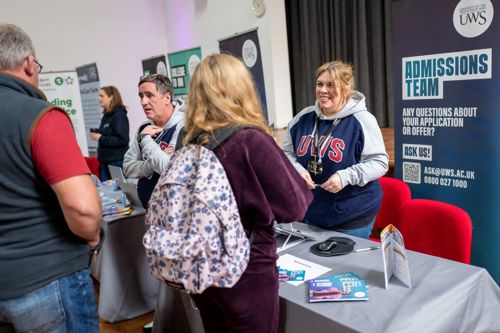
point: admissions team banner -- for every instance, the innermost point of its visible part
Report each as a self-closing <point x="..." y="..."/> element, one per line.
<point x="88" y="78"/>
<point x="246" y="46"/>
<point x="447" y="121"/>
<point x="62" y="89"/>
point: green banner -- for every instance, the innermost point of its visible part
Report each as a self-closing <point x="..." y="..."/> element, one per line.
<point x="62" y="89"/>
<point x="182" y="65"/>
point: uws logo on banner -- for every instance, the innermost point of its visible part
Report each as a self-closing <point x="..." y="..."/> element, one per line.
<point x="249" y="53"/>
<point x="473" y="17"/>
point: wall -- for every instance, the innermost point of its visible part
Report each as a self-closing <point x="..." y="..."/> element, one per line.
<point x="116" y="34"/>
<point x="193" y="23"/>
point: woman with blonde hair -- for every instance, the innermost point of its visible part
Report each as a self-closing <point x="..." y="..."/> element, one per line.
<point x="112" y="136"/>
<point x="337" y="147"/>
<point x="265" y="185"/>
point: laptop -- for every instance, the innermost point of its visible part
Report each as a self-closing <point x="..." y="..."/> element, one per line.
<point x="116" y="173"/>
<point x="131" y="191"/>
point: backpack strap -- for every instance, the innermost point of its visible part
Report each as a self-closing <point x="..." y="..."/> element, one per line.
<point x="143" y="126"/>
<point x="220" y="135"/>
<point x="180" y="137"/>
<point x="252" y="236"/>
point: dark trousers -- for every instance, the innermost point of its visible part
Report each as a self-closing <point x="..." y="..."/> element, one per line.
<point x="252" y="305"/>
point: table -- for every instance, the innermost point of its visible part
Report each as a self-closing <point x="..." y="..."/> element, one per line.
<point x="127" y="289"/>
<point x="447" y="296"/>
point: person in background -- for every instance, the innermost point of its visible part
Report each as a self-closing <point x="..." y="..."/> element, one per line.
<point x="50" y="211"/>
<point x="337" y="147"/>
<point x="266" y="187"/>
<point x="112" y="136"/>
<point x="157" y="138"/>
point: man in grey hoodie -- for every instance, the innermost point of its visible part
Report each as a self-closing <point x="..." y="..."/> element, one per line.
<point x="156" y="139"/>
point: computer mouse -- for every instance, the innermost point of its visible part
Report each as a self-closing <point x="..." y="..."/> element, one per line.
<point x="327" y="245"/>
<point x="333" y="246"/>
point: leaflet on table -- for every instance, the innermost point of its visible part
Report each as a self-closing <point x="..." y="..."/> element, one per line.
<point x="115" y="216"/>
<point x="290" y="275"/>
<point x="339" y="287"/>
<point x="394" y="256"/>
<point x="114" y="204"/>
<point x="292" y="263"/>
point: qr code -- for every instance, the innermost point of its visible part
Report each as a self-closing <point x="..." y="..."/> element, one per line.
<point x="411" y="172"/>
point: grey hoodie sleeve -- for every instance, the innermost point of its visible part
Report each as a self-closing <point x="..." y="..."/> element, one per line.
<point x="374" y="161"/>
<point x="288" y="148"/>
<point x="146" y="157"/>
<point x="134" y="163"/>
<point x="156" y="158"/>
<point x="290" y="151"/>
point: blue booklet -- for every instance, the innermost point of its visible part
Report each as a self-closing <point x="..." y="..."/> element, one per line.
<point x="290" y="275"/>
<point x="339" y="287"/>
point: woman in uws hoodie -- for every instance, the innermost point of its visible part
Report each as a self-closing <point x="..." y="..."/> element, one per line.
<point x="337" y="147"/>
<point x="113" y="133"/>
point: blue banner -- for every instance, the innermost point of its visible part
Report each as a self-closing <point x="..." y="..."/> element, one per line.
<point x="447" y="121"/>
<point x="246" y="47"/>
<point x="88" y="78"/>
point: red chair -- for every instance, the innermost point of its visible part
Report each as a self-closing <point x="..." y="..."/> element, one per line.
<point x="94" y="166"/>
<point x="396" y="192"/>
<point x="436" y="228"/>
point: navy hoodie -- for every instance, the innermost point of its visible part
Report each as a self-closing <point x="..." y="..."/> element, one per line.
<point x="114" y="130"/>
<point x="355" y="150"/>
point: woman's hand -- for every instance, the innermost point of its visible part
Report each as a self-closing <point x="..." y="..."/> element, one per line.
<point x="95" y="136"/>
<point x="307" y="178"/>
<point x="333" y="184"/>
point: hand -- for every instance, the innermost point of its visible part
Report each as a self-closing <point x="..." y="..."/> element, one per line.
<point x="333" y="184"/>
<point x="151" y="130"/>
<point x="95" y="136"/>
<point x="169" y="150"/>
<point x="307" y="178"/>
<point x="93" y="243"/>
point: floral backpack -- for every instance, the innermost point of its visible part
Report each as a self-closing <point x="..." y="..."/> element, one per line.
<point x="194" y="237"/>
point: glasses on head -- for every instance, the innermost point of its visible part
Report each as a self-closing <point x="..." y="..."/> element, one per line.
<point x="40" y="67"/>
<point x="155" y="77"/>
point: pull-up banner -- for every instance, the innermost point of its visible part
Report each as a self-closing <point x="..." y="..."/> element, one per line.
<point x="447" y="129"/>
<point x="62" y="89"/>
<point x="182" y="65"/>
<point x="88" y="78"/>
<point x="246" y="46"/>
<point x="155" y="65"/>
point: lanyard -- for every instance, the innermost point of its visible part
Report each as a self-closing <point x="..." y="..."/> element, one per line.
<point x="318" y="144"/>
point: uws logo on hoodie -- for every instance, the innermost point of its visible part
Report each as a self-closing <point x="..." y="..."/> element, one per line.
<point x="335" y="152"/>
<point x="471" y="18"/>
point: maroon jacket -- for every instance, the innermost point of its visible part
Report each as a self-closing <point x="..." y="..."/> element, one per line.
<point x="266" y="187"/>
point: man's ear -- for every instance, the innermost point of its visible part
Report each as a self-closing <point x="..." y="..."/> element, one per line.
<point x="168" y="97"/>
<point x="29" y="67"/>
